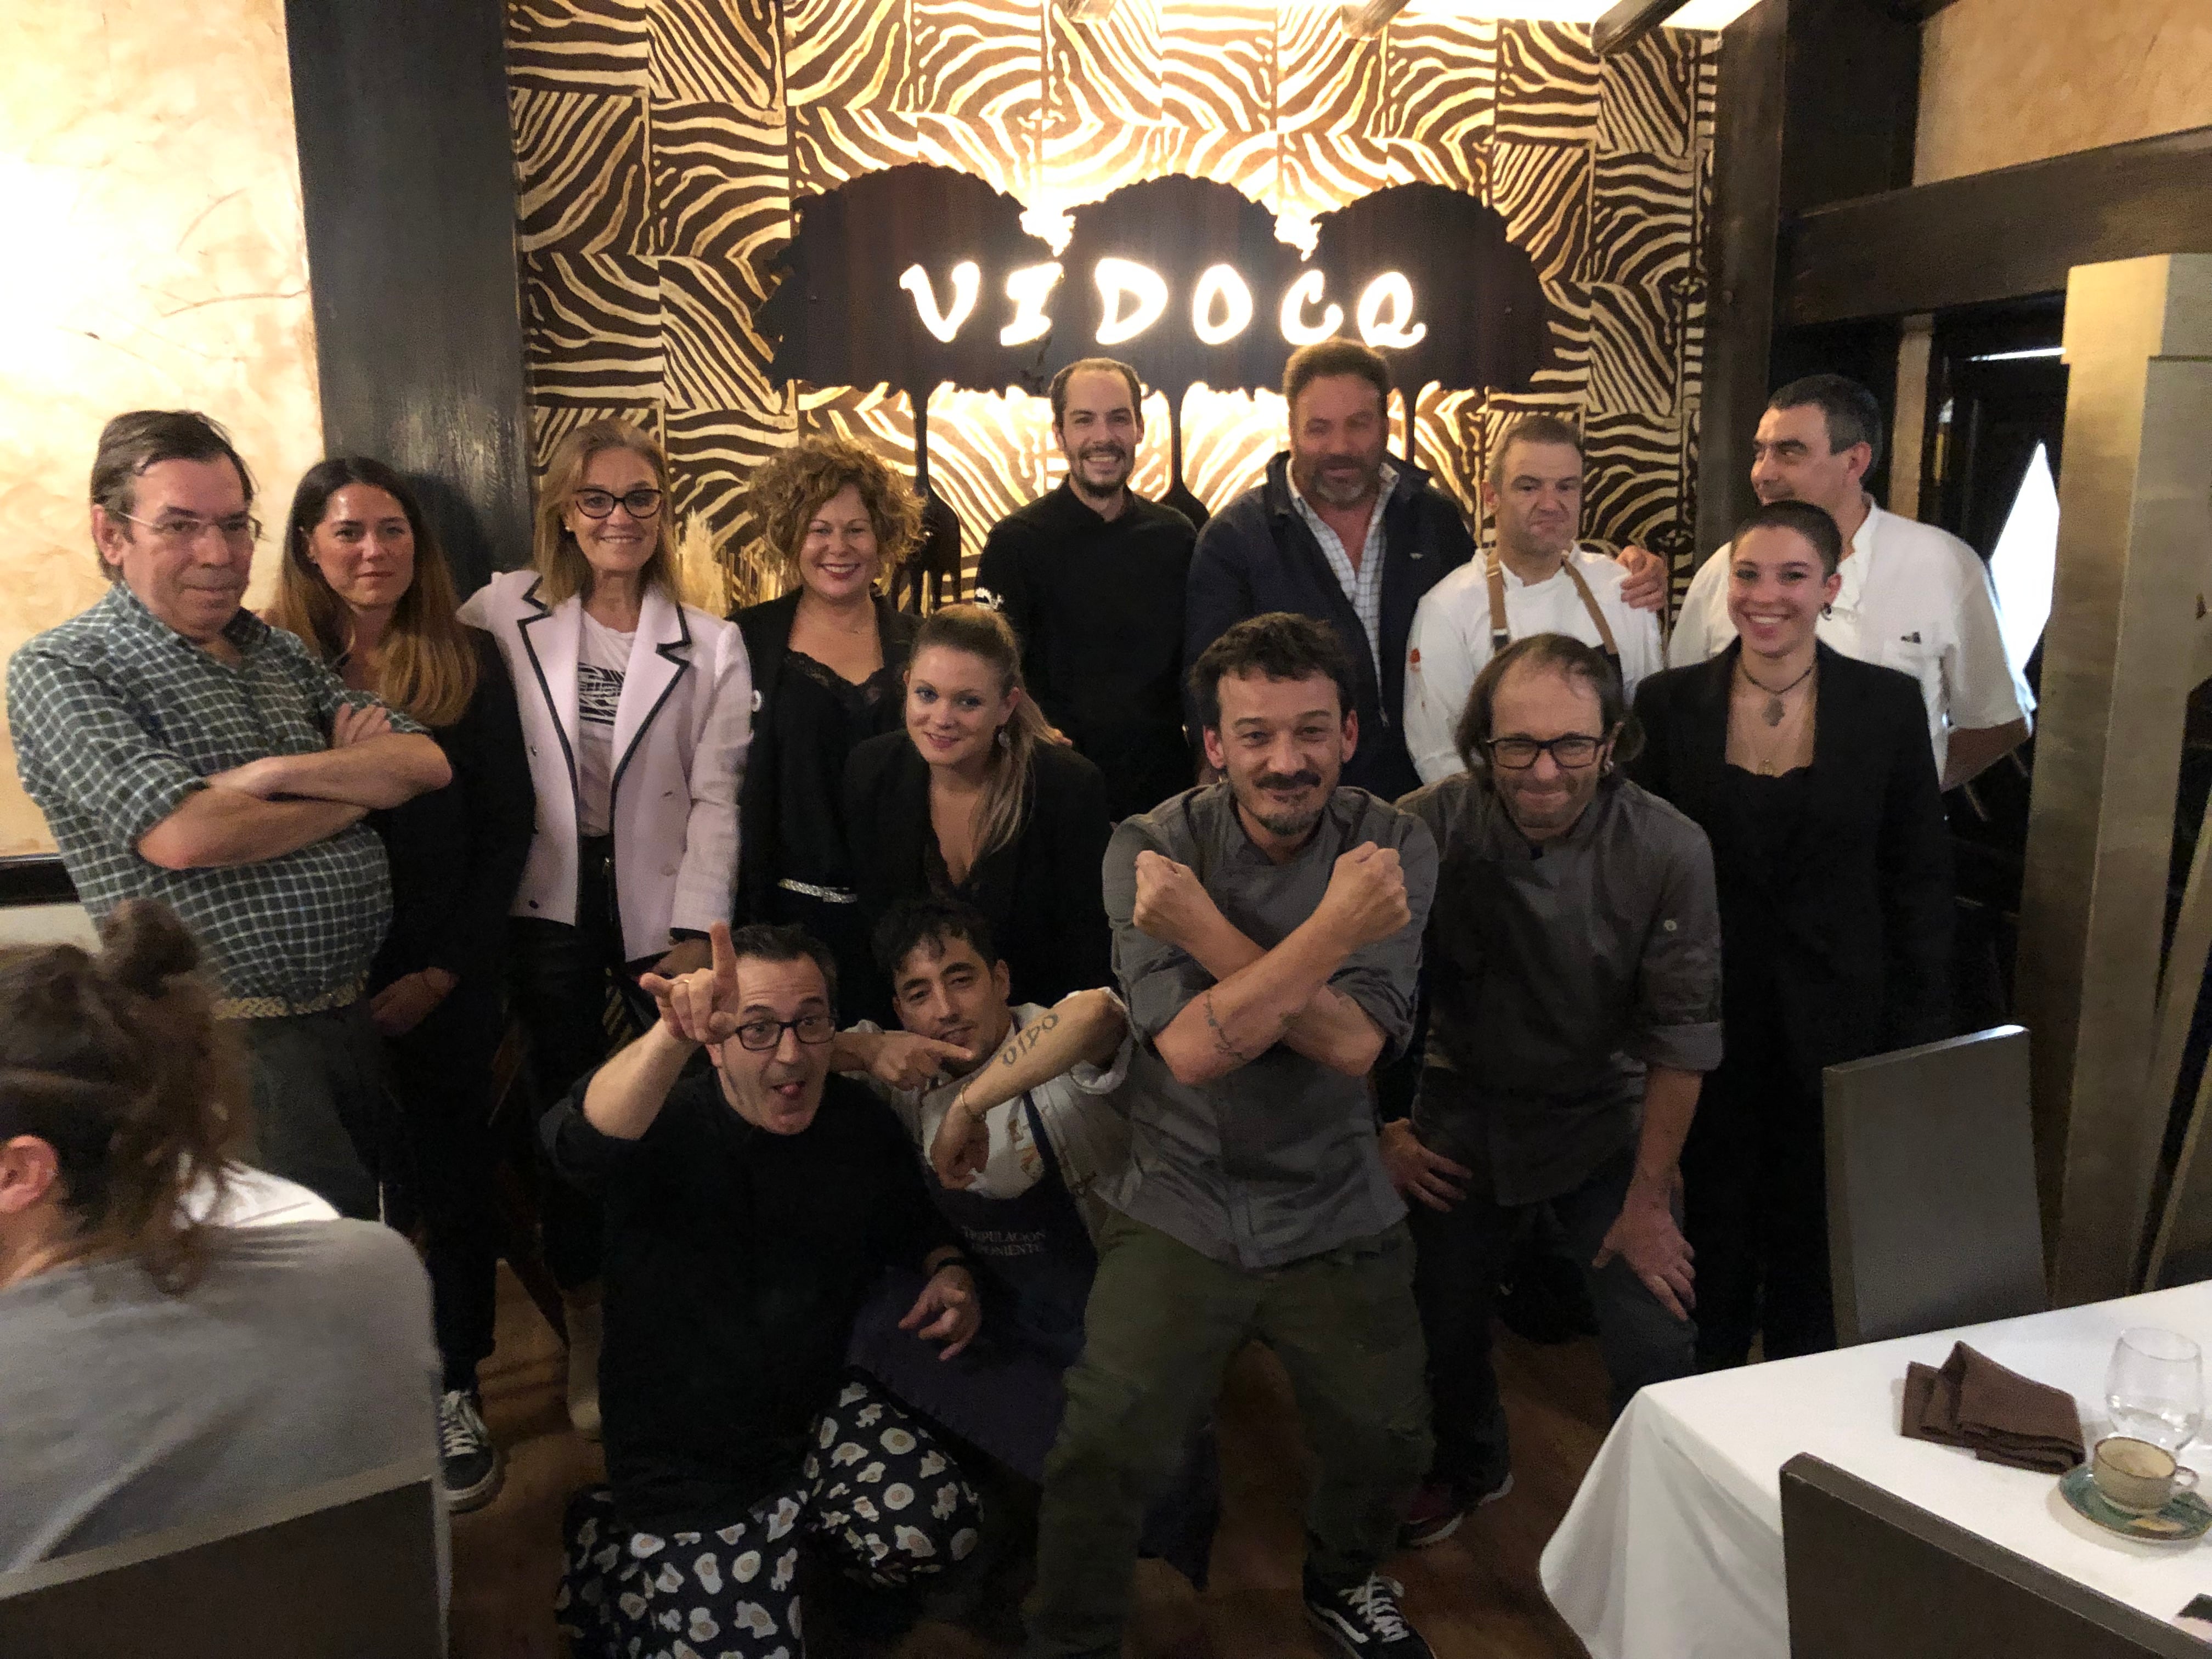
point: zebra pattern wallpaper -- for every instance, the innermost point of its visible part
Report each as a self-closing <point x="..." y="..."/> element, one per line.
<point x="659" y="145"/>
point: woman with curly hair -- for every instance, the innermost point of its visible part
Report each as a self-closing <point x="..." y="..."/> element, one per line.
<point x="828" y="660"/>
<point x="159" y="1365"/>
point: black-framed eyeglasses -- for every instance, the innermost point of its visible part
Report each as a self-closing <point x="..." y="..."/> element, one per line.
<point x="597" y="503"/>
<point x="1568" y="753"/>
<point x="762" y="1035"/>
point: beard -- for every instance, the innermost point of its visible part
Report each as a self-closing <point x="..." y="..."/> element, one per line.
<point x="1342" y="486"/>
<point x="1274" y="817"/>
<point x="1119" y="462"/>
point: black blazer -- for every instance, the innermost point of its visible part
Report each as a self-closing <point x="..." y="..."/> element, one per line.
<point x="1862" y="897"/>
<point x="1043" y="894"/>
<point x="767" y="631"/>
<point x="457" y="852"/>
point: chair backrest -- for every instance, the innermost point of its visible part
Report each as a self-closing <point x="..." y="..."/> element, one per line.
<point x="1872" y="1576"/>
<point x="343" y="1570"/>
<point x="1933" y="1216"/>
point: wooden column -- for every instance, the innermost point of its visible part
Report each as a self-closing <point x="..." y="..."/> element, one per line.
<point x="2134" y="526"/>
<point x="407" y="179"/>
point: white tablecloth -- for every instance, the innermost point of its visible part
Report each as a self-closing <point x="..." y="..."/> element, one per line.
<point x="1673" y="1546"/>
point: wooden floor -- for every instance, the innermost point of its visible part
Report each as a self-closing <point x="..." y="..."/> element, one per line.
<point x="1477" y="1593"/>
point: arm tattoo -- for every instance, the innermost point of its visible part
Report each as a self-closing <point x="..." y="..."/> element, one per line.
<point x="1221" y="1038"/>
<point x="1026" y="1039"/>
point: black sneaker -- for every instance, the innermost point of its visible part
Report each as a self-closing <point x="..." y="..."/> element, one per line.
<point x="468" y="1467"/>
<point x="1363" y="1620"/>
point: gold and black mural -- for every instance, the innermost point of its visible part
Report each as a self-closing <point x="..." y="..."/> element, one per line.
<point x="661" y="145"/>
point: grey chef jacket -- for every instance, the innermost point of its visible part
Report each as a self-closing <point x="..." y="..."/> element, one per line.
<point x="1556" y="974"/>
<point x="1278" y="1160"/>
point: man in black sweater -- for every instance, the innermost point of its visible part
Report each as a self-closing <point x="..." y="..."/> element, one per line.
<point x="1091" y="576"/>
<point x="749" y="1207"/>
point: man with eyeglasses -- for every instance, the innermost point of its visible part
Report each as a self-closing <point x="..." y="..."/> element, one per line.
<point x="750" y="1204"/>
<point x="184" y="750"/>
<point x="1574" y="996"/>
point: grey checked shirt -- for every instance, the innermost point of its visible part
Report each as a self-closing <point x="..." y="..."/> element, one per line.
<point x="1555" y="976"/>
<point x="1363" y="587"/>
<point x="117" y="719"/>
<point x="1277" y="1161"/>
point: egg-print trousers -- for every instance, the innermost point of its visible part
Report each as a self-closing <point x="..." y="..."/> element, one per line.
<point x="876" y="1495"/>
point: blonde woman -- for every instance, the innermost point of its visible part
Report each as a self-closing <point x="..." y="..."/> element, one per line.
<point x="365" y="587"/>
<point x="636" y="713"/>
<point x="828" y="661"/>
<point x="979" y="801"/>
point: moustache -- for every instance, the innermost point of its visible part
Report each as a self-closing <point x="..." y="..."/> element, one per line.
<point x="1287" y="781"/>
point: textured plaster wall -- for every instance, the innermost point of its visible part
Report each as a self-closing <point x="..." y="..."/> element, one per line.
<point x="2003" y="81"/>
<point x="156" y="258"/>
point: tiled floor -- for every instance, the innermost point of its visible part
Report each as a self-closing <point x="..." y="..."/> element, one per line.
<point x="1475" y="1595"/>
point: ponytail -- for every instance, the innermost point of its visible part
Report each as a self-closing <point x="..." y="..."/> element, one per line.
<point x="119" y="1064"/>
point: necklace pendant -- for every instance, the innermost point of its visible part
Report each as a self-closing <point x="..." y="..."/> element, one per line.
<point x="1773" y="711"/>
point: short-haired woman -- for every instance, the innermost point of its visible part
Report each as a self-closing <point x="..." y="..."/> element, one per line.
<point x="159" y="1367"/>
<point x="636" y="711"/>
<point x="366" y="590"/>
<point x="1811" y="773"/>
<point x="828" y="660"/>
<point x="978" y="800"/>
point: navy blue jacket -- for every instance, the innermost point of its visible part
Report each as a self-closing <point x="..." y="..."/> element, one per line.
<point x="1257" y="555"/>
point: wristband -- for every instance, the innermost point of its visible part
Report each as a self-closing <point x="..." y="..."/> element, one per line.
<point x="959" y="1259"/>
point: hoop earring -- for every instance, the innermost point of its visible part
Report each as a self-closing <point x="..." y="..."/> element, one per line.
<point x="1005" y="742"/>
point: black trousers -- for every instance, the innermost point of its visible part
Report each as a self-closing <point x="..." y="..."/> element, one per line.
<point x="1463" y="1252"/>
<point x="1754" y="1174"/>
<point x="442" y="1076"/>
<point x="562" y="976"/>
<point x="322" y="1105"/>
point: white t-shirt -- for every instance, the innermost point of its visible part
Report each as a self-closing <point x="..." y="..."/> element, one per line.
<point x="1915" y="599"/>
<point x="1450" y="642"/>
<point x="602" y="659"/>
<point x="1089" y="1133"/>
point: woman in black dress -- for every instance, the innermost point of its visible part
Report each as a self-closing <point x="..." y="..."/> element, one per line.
<point x="979" y="799"/>
<point x="828" y="662"/>
<point x="365" y="587"/>
<point x="1812" y="774"/>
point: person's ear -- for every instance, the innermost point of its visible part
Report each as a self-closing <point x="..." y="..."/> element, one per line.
<point x="1002" y="982"/>
<point x="1830" y="587"/>
<point x="1857" y="459"/>
<point x="1351" y="732"/>
<point x="30" y="1168"/>
<point x="1216" y="753"/>
<point x="111" y="535"/>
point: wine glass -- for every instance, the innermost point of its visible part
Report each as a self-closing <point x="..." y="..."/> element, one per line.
<point x="2154" y="1387"/>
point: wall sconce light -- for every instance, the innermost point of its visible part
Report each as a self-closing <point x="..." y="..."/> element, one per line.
<point x="1365" y="19"/>
<point x="1086" y="11"/>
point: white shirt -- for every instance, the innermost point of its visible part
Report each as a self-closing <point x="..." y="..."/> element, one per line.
<point x="601" y="662"/>
<point x="1363" y="587"/>
<point x="1915" y="599"/>
<point x="1089" y="1133"/>
<point x="1450" y="642"/>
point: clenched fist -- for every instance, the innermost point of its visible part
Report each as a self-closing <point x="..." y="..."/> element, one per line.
<point x="1366" y="899"/>
<point x="1172" y="905"/>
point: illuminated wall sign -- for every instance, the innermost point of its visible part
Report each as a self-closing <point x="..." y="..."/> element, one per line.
<point x="1136" y="296"/>
<point x="918" y="276"/>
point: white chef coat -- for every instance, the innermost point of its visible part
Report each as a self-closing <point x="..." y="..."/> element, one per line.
<point x="1450" y="642"/>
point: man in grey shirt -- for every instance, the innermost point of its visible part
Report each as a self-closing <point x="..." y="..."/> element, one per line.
<point x="1574" y="1007"/>
<point x="1267" y="937"/>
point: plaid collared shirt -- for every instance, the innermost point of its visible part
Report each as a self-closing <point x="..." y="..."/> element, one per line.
<point x="117" y="719"/>
<point x="1363" y="587"/>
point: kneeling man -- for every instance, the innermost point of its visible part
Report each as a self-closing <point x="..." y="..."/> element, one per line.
<point x="1574" y="973"/>
<point x="749" y="1207"/>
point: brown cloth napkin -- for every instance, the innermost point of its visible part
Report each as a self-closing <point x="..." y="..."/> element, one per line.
<point x="1999" y="1415"/>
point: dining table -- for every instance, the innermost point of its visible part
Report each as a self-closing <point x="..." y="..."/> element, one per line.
<point x="1671" y="1548"/>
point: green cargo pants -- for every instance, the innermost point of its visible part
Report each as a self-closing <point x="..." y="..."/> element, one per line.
<point x="1162" y="1325"/>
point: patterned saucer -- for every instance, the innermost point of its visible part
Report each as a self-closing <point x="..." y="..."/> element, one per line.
<point x="2185" y="1518"/>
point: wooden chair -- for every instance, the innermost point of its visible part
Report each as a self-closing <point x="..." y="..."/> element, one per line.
<point x="1872" y="1576"/>
<point x="1933" y="1217"/>
<point x="349" y="1569"/>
